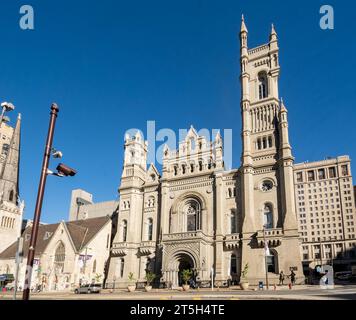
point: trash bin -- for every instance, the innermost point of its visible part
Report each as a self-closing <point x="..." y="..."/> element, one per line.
<point x="260" y="285"/>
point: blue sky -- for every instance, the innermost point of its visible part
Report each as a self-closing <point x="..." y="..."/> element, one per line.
<point x="113" y="65"/>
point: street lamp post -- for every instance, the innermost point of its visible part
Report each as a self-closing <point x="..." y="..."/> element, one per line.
<point x="62" y="171"/>
<point x="5" y="106"/>
<point x="40" y="194"/>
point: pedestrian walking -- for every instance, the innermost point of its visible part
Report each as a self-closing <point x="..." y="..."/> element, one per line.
<point x="281" y="278"/>
<point x="292" y="277"/>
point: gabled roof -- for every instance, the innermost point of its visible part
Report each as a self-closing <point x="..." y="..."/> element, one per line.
<point x="45" y="233"/>
<point x="81" y="233"/>
<point x="152" y="169"/>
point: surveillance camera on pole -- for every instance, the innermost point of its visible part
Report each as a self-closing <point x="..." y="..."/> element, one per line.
<point x="56" y="154"/>
<point x="65" y="171"/>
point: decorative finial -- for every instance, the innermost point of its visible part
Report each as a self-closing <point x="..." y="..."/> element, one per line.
<point x="243" y="25"/>
<point x="273" y="35"/>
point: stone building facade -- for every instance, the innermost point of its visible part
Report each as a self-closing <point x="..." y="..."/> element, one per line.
<point x="82" y="206"/>
<point x="326" y="213"/>
<point x="196" y="215"/>
<point x="11" y="209"/>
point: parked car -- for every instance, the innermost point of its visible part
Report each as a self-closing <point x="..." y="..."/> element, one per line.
<point x="343" y="275"/>
<point x="88" y="288"/>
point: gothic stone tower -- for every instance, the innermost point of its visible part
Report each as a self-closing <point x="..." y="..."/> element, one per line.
<point x="267" y="187"/>
<point x="126" y="250"/>
<point x="10" y="209"/>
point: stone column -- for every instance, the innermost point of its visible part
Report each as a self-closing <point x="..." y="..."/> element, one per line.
<point x="219" y="237"/>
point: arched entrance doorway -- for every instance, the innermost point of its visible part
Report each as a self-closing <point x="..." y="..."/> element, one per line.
<point x="185" y="263"/>
<point x="179" y="262"/>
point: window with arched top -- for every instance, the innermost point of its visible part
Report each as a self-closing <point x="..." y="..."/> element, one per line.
<point x="149" y="229"/>
<point x="59" y="257"/>
<point x="233" y="264"/>
<point x="262" y="85"/>
<point x="272" y="261"/>
<point x="192" y="167"/>
<point x="94" y="266"/>
<point x="11" y="195"/>
<point x="267" y="216"/>
<point x="193" y="212"/>
<point x="122" y="266"/>
<point x="233" y="222"/>
<point x="124" y="230"/>
<point x="200" y="165"/>
<point x="175" y="169"/>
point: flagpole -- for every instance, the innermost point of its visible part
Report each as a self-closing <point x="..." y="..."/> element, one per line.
<point x="266" y="266"/>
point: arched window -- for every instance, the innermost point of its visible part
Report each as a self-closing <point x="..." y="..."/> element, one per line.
<point x="59" y="257"/>
<point x="233" y="222"/>
<point x="11" y="195"/>
<point x="124" y="230"/>
<point x="175" y="168"/>
<point x="121" y="267"/>
<point x="200" y="165"/>
<point x="94" y="266"/>
<point x="272" y="262"/>
<point x="267" y="216"/>
<point x="192" y="211"/>
<point x="183" y="168"/>
<point x="230" y="193"/>
<point x="262" y="85"/>
<point x="233" y="264"/>
<point x="192" y="167"/>
<point x="149" y="229"/>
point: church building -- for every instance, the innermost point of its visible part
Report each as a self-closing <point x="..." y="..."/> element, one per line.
<point x="195" y="214"/>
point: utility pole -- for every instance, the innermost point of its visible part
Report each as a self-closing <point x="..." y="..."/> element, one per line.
<point x="40" y="194"/>
<point x="19" y="257"/>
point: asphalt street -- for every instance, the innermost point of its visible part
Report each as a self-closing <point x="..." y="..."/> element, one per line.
<point x="305" y="293"/>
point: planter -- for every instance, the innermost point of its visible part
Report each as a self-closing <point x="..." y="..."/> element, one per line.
<point x="186" y="287"/>
<point x="148" y="288"/>
<point x="244" y="285"/>
<point x="131" y="288"/>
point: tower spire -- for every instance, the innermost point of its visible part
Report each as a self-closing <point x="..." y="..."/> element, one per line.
<point x="273" y="35"/>
<point x="243" y="25"/>
<point x="9" y="176"/>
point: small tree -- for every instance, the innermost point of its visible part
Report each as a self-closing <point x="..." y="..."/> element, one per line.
<point x="98" y="277"/>
<point x="186" y="275"/>
<point x="131" y="277"/>
<point x="150" y="276"/>
<point x="245" y="271"/>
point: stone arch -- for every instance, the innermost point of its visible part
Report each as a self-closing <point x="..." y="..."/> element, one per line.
<point x="271" y="206"/>
<point x="177" y="212"/>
